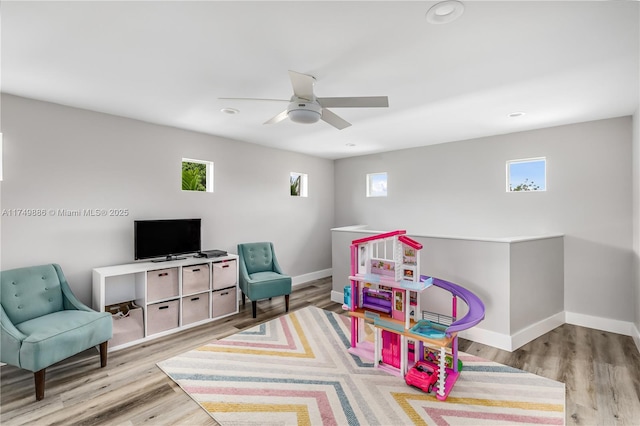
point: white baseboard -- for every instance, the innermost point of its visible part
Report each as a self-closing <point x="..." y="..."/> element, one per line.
<point x="337" y="296"/>
<point x="533" y="331"/>
<point x="599" y="323"/>
<point x="487" y="337"/>
<point x="305" y="278"/>
<point x="512" y="342"/>
<point x="526" y="335"/>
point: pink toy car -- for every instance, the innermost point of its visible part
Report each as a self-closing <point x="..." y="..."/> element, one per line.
<point x="422" y="375"/>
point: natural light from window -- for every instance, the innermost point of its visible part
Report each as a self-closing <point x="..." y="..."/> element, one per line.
<point x="299" y="185"/>
<point x="197" y="175"/>
<point x="527" y="175"/>
<point x="377" y="184"/>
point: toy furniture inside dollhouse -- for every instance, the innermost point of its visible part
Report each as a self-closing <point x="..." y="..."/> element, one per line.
<point x="378" y="300"/>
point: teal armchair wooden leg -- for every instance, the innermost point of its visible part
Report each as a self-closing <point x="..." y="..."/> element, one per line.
<point x="254" y="307"/>
<point x="103" y="354"/>
<point x="39" y="379"/>
<point x="286" y="302"/>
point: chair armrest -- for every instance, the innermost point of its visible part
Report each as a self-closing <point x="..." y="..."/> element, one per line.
<point x="70" y="301"/>
<point x="243" y="275"/>
<point x="276" y="265"/>
<point x="10" y="340"/>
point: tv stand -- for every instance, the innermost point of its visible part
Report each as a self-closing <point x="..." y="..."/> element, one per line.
<point x="173" y="295"/>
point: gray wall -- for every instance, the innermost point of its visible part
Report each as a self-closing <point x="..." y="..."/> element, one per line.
<point x="57" y="157"/>
<point x="636" y="213"/>
<point x="458" y="189"/>
<point x="636" y="219"/>
<point x="536" y="292"/>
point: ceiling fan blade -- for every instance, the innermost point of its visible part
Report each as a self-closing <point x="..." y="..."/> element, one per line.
<point x="357" y="102"/>
<point x="333" y="119"/>
<point x="278" y="118"/>
<point x="302" y="85"/>
<point x="255" y="99"/>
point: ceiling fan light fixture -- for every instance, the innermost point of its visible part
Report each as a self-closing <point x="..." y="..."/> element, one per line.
<point x="445" y="12"/>
<point x="305" y="113"/>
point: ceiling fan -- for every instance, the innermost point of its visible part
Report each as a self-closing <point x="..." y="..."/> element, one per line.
<point x="305" y="107"/>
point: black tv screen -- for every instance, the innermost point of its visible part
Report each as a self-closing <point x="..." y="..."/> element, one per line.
<point x="165" y="238"/>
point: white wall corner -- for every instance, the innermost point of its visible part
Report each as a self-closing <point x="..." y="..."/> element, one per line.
<point x="599" y="323"/>
<point x="536" y="330"/>
<point x="305" y="278"/>
<point x="636" y="336"/>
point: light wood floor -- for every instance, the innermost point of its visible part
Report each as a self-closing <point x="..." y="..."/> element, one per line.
<point x="601" y="371"/>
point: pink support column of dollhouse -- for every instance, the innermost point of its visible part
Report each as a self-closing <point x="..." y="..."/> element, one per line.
<point x="354" y="294"/>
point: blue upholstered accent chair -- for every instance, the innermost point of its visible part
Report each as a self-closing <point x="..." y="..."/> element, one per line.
<point x="42" y="322"/>
<point x="260" y="274"/>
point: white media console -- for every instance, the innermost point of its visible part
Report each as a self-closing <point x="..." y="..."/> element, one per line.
<point x="168" y="296"/>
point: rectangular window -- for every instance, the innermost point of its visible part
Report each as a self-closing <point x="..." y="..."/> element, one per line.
<point x="529" y="174"/>
<point x="197" y="175"/>
<point x="377" y="184"/>
<point x="298" y="182"/>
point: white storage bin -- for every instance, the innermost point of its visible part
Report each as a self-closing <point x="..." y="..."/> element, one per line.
<point x="224" y="274"/>
<point x="163" y="316"/>
<point x="224" y="302"/>
<point x="128" y="323"/>
<point x="195" y="278"/>
<point x="195" y="308"/>
<point x="162" y="284"/>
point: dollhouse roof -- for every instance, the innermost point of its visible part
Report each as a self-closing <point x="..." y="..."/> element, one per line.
<point x="411" y="243"/>
<point x="378" y="237"/>
<point x="400" y="234"/>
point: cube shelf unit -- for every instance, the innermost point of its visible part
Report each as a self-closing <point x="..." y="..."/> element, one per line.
<point x="172" y="295"/>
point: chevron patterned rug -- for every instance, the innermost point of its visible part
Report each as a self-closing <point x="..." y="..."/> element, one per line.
<point x="296" y="370"/>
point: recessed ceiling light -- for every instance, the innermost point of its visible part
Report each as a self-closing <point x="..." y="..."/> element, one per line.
<point x="445" y="12"/>
<point x="350" y="144"/>
<point x="516" y="114"/>
<point x="230" y="111"/>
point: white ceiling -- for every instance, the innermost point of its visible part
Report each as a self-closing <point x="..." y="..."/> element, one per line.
<point x="169" y="62"/>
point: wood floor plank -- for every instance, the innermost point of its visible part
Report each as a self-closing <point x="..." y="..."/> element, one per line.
<point x="601" y="372"/>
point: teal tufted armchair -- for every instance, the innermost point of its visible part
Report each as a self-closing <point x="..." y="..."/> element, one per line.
<point x="260" y="274"/>
<point x="43" y="322"/>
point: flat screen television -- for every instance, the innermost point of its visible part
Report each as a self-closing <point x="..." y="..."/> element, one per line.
<point x="165" y="238"/>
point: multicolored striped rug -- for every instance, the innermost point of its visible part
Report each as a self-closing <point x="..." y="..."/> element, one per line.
<point x="296" y="370"/>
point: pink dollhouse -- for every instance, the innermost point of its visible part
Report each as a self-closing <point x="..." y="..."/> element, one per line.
<point x="384" y="290"/>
